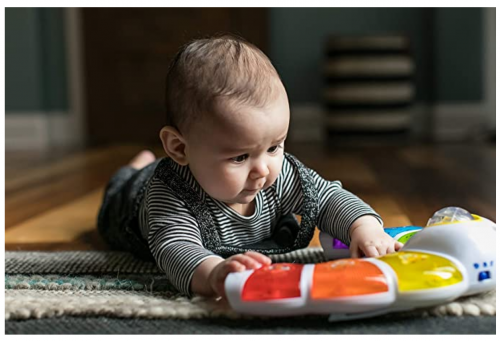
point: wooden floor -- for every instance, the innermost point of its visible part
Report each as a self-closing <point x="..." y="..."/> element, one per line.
<point x="51" y="199"/>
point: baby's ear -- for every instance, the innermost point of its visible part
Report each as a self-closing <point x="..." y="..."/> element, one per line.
<point x="174" y="144"/>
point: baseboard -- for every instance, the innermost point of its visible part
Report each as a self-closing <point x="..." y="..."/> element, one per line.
<point x="459" y="122"/>
<point x="308" y="122"/>
<point x="442" y="122"/>
<point x="39" y="130"/>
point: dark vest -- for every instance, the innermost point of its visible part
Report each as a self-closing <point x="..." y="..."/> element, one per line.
<point x="300" y="236"/>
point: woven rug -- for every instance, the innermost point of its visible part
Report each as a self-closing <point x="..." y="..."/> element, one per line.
<point x="115" y="284"/>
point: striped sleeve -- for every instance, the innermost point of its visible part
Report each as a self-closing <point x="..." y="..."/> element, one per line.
<point x="338" y="208"/>
<point x="174" y="236"/>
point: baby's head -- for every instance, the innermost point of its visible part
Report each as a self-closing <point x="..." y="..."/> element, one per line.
<point x="227" y="117"/>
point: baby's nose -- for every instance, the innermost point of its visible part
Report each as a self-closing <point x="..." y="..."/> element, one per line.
<point x="260" y="170"/>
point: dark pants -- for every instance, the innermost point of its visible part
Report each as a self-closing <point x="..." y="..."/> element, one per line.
<point x="117" y="221"/>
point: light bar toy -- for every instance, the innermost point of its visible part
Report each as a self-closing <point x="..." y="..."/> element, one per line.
<point x="453" y="256"/>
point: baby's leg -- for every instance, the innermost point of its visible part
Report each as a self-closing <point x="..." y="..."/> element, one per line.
<point x="142" y="159"/>
<point x="117" y="216"/>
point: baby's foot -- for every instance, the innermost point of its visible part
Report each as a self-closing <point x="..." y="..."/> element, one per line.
<point x="142" y="159"/>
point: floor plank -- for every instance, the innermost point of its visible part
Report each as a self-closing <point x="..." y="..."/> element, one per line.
<point x="43" y="188"/>
<point x="64" y="224"/>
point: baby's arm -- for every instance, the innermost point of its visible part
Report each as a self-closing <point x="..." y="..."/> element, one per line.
<point x="341" y="213"/>
<point x="346" y="216"/>
<point x="209" y="276"/>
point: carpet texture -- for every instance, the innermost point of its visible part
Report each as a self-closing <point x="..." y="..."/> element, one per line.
<point x="116" y="285"/>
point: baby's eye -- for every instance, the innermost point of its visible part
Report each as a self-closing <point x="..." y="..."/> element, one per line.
<point x="273" y="149"/>
<point x="240" y="158"/>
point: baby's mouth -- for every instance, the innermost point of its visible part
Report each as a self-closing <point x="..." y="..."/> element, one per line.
<point x="255" y="188"/>
<point x="252" y="190"/>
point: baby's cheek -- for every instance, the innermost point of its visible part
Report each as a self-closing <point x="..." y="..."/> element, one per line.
<point x="233" y="180"/>
<point x="218" y="183"/>
<point x="275" y="170"/>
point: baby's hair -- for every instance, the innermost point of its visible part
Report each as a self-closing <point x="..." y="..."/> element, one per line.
<point x="205" y="72"/>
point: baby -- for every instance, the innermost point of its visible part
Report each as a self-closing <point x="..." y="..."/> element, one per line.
<point x="226" y="195"/>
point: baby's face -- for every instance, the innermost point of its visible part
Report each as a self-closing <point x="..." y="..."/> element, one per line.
<point x="239" y="152"/>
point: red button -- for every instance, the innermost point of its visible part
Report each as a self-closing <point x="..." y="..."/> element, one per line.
<point x="273" y="282"/>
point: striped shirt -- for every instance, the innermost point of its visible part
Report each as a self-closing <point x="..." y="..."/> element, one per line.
<point x="174" y="236"/>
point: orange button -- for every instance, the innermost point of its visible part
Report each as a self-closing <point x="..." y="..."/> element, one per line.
<point x="347" y="277"/>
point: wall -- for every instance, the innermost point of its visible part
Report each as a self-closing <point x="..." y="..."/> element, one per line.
<point x="490" y="69"/>
<point x="448" y="47"/>
<point x="298" y="36"/>
<point x="448" y="43"/>
<point x="43" y="107"/>
<point x="461" y="72"/>
<point x="459" y="49"/>
<point x="35" y="61"/>
<point x="450" y="36"/>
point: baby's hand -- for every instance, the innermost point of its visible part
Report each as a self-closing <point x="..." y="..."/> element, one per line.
<point x="240" y="262"/>
<point x="368" y="238"/>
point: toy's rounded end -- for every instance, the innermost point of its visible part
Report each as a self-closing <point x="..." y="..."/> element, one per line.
<point x="449" y="215"/>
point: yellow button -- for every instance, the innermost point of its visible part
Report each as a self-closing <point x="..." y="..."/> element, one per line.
<point x="418" y="270"/>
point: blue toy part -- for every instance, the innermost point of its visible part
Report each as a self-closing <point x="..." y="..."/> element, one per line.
<point x="448" y="259"/>
<point x="335" y="249"/>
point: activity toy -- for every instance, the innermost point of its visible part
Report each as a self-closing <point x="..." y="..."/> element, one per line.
<point x="453" y="256"/>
